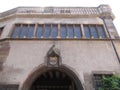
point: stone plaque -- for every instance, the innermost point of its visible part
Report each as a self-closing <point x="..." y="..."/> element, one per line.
<point x="53" y="60"/>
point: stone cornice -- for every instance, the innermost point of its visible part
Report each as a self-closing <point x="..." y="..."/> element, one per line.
<point x="103" y="11"/>
<point x="58" y="39"/>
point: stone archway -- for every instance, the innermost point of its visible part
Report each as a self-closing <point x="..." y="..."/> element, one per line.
<point x="53" y="78"/>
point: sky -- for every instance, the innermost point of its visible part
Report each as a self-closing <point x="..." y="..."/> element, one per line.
<point x="114" y="4"/>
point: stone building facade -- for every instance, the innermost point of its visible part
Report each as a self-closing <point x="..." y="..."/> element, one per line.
<point x="57" y="48"/>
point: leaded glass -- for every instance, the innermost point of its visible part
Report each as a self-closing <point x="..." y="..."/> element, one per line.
<point x="63" y="31"/>
<point x="24" y="31"/>
<point x="39" y="31"/>
<point x="70" y="31"/>
<point x="31" y="31"/>
<point x="87" y="31"/>
<point x="93" y="31"/>
<point x="54" y="31"/>
<point x="78" y="31"/>
<point x="47" y="31"/>
<point x="16" y="31"/>
<point x="101" y="31"/>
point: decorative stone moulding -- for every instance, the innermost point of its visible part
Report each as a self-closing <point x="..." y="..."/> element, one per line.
<point x="100" y="11"/>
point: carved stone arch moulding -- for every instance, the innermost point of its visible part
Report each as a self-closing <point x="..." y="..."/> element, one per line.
<point x="38" y="71"/>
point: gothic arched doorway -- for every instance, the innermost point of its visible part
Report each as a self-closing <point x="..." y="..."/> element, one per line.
<point x="53" y="78"/>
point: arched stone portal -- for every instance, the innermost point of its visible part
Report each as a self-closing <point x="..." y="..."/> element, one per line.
<point x="55" y="78"/>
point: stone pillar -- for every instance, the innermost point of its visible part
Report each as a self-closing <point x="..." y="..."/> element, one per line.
<point x="82" y="29"/>
<point x="35" y="30"/>
<point x="59" y="29"/>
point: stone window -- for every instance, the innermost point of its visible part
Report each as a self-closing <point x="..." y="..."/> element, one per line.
<point x="70" y="31"/>
<point x="16" y="31"/>
<point x="23" y="31"/>
<point x="39" y="31"/>
<point x="77" y="31"/>
<point x="63" y="31"/>
<point x="87" y="31"/>
<point x="31" y="31"/>
<point x="54" y="32"/>
<point x="47" y="31"/>
<point x="1" y="30"/>
<point x="94" y="31"/>
<point x="101" y="31"/>
<point x="98" y="80"/>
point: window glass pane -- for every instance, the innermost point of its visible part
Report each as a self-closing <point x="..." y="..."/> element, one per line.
<point x="78" y="31"/>
<point x="54" y="31"/>
<point x="86" y="31"/>
<point x="16" y="31"/>
<point x="39" y="31"/>
<point x="93" y="31"/>
<point x="63" y="31"/>
<point x="47" y="31"/>
<point x="23" y="31"/>
<point x="31" y="31"/>
<point x="97" y="81"/>
<point x="70" y="31"/>
<point x="101" y="31"/>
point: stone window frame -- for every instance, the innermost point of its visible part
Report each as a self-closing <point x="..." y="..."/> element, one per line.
<point x="36" y="25"/>
<point x="65" y="25"/>
<point x="99" y="75"/>
<point x="21" y="26"/>
<point x="67" y="32"/>
<point x="36" y="30"/>
<point x="97" y="31"/>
